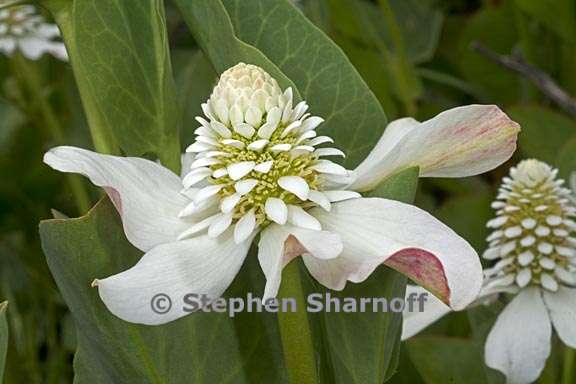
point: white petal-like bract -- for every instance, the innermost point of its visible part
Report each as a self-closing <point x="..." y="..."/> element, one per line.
<point x="377" y="231"/>
<point x="519" y="342"/>
<point x="146" y="195"/>
<point x="175" y="270"/>
<point x="460" y="142"/>
<point x="279" y="244"/>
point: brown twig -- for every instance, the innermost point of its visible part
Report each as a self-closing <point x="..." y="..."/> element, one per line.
<point x="538" y="77"/>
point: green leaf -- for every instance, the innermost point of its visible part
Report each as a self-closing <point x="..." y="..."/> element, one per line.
<point x="442" y="360"/>
<point x="492" y="27"/>
<point x="467" y="215"/>
<point x="420" y="24"/>
<point x="544" y="131"/>
<point x="566" y="160"/>
<point x="363" y="347"/>
<point x="374" y="71"/>
<point x="276" y="36"/>
<point x="119" y="54"/>
<point x="557" y="15"/>
<point x="212" y="28"/>
<point x="384" y="42"/>
<point x="3" y="337"/>
<point x="482" y="319"/>
<point x="354" y="36"/>
<point x="195" y="79"/>
<point x="407" y="372"/>
<point x="200" y="348"/>
<point x="400" y="186"/>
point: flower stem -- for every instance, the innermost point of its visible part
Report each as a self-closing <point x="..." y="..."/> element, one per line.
<point x="568" y="370"/>
<point x="32" y="80"/>
<point x="295" y="331"/>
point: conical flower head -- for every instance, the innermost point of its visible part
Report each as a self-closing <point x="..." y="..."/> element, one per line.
<point x="23" y="29"/>
<point x="256" y="158"/>
<point x="243" y="94"/>
<point x="19" y="21"/>
<point x="532" y="238"/>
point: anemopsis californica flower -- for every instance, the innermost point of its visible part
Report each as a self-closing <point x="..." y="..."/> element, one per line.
<point x="534" y="250"/>
<point x="23" y="29"/>
<point x="259" y="169"/>
<point x="573" y="185"/>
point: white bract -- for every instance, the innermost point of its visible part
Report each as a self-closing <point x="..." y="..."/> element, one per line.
<point x="260" y="168"/>
<point x="23" y="29"/>
<point x="573" y="185"/>
<point x="534" y="250"/>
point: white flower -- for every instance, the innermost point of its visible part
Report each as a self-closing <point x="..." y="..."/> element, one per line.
<point x="535" y="258"/>
<point x="22" y="29"/>
<point x="573" y="185"/>
<point x="259" y="169"/>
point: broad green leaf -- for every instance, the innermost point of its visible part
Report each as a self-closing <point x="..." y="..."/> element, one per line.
<point x="544" y="131"/>
<point x="557" y="15"/>
<point x="566" y="160"/>
<point x="119" y="54"/>
<point x="317" y="12"/>
<point x="400" y="186"/>
<point x="482" y="319"/>
<point x="324" y="76"/>
<point x="195" y="79"/>
<point x="200" y="348"/>
<point x="212" y="28"/>
<point x="347" y="29"/>
<point x="491" y="26"/>
<point x="396" y="17"/>
<point x="384" y="42"/>
<point x="467" y="216"/>
<point x="363" y="347"/>
<point x="374" y="71"/>
<point x="277" y="36"/>
<point x="407" y="372"/>
<point x="419" y="21"/>
<point x="3" y="337"/>
<point x="442" y="360"/>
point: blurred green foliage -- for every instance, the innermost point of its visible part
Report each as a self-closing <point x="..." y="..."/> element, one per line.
<point x="413" y="54"/>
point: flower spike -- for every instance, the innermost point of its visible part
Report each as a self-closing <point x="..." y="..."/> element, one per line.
<point x="533" y="248"/>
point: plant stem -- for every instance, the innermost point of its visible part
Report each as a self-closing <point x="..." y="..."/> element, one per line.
<point x="32" y="79"/>
<point x="568" y="369"/>
<point x="295" y="331"/>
